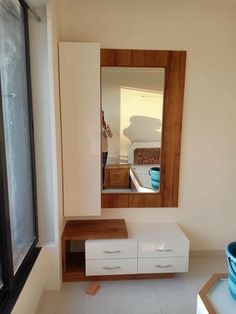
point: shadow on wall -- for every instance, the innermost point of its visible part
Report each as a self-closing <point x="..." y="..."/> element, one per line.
<point x="143" y="129"/>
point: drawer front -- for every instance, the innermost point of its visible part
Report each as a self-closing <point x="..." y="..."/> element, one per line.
<point x="110" y="249"/>
<point x="117" y="178"/>
<point x="111" y="267"/>
<point x="116" y="175"/>
<point x="162" y="265"/>
<point x="163" y="249"/>
<point x="118" y="185"/>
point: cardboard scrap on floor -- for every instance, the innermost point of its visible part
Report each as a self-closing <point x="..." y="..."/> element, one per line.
<point x="92" y="288"/>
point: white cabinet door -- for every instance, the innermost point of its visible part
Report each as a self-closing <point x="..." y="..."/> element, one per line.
<point x="111" y="266"/>
<point x="162" y="248"/>
<point x="110" y="249"/>
<point x="162" y="265"/>
<point x="80" y="121"/>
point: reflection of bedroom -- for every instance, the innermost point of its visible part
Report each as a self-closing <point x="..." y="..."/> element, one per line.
<point x="132" y="101"/>
<point x="127" y="93"/>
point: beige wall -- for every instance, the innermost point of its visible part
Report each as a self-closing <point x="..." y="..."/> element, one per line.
<point x="206" y="29"/>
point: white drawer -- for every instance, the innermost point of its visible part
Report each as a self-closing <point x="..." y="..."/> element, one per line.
<point x="163" y="248"/>
<point x="111" y="267"/>
<point x="110" y="249"/>
<point x="162" y="265"/>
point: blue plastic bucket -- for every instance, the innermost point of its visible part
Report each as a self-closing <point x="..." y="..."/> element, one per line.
<point x="231" y="262"/>
<point x="154" y="172"/>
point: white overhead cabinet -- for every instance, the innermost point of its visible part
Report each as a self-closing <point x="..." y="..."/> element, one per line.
<point x="80" y="121"/>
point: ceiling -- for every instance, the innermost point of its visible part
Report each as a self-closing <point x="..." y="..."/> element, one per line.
<point x="38" y="3"/>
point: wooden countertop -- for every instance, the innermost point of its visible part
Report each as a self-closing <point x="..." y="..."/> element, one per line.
<point x="95" y="229"/>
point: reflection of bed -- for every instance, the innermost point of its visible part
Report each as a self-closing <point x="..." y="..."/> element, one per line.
<point x="143" y="156"/>
<point x="144" y="153"/>
<point x="147" y="156"/>
<point x="141" y="179"/>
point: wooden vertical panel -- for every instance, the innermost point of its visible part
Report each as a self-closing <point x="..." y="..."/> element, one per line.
<point x="63" y="254"/>
<point x="80" y="118"/>
<point x="172" y="126"/>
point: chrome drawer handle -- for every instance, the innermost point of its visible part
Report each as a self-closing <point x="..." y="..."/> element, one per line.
<point x="111" y="267"/>
<point x="164" y="250"/>
<point x="111" y="252"/>
<point x="163" y="266"/>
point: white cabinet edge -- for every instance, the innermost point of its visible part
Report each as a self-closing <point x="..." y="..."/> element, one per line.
<point x="81" y="129"/>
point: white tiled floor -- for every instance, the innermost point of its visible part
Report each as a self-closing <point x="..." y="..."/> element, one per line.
<point x="164" y="296"/>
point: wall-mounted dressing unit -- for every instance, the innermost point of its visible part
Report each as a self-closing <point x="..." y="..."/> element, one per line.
<point x="112" y="249"/>
<point x="142" y="99"/>
<point x="80" y="122"/>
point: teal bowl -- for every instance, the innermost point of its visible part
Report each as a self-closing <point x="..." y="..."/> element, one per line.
<point x="231" y="262"/>
<point x="154" y="172"/>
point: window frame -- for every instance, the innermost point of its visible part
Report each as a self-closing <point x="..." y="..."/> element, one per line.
<point x="13" y="283"/>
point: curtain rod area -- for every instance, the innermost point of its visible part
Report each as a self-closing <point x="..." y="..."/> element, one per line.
<point x="33" y="11"/>
<point x="8" y="9"/>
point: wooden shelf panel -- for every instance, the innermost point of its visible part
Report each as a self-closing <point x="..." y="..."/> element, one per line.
<point x="75" y="262"/>
<point x="67" y="277"/>
<point x="95" y="229"/>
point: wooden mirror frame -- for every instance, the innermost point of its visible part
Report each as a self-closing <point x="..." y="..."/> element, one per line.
<point x="174" y="64"/>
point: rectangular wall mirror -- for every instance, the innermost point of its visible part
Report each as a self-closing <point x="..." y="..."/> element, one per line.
<point x="141" y="113"/>
<point x="132" y="110"/>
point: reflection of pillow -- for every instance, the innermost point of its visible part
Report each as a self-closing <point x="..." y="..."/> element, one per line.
<point x="144" y="156"/>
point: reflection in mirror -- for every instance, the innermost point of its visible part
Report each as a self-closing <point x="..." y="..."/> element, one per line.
<point x="132" y="109"/>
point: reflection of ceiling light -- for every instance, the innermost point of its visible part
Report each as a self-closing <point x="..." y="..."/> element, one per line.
<point x="149" y="91"/>
<point x="149" y="96"/>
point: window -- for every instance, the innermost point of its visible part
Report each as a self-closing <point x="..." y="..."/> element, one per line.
<point x="18" y="227"/>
